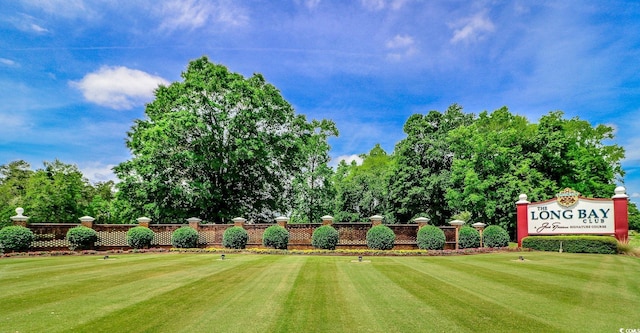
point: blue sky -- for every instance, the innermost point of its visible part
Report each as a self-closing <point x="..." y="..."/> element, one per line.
<point x="74" y="74"/>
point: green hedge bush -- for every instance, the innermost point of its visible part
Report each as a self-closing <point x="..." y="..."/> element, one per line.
<point x="15" y="238"/>
<point x="431" y="237"/>
<point x="140" y="237"/>
<point x="380" y="237"/>
<point x="82" y="238"/>
<point x="276" y="237"/>
<point x="235" y="238"/>
<point x="184" y="237"/>
<point x="325" y="237"/>
<point x="572" y="244"/>
<point x="469" y="237"/>
<point x="495" y="236"/>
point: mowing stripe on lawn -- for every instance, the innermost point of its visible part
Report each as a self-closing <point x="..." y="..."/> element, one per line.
<point x="176" y="309"/>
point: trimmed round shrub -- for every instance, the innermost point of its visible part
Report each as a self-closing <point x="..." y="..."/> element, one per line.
<point x="276" y="237"/>
<point x="139" y="237"/>
<point x="380" y="237"/>
<point x="16" y="238"/>
<point x="468" y="237"/>
<point x="431" y="237"/>
<point x="184" y="237"/>
<point x="235" y="238"/>
<point x="81" y="237"/>
<point x="495" y="236"/>
<point x="325" y="237"/>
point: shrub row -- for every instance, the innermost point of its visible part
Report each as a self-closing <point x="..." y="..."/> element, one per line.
<point x="572" y="244"/>
<point x="380" y="237"/>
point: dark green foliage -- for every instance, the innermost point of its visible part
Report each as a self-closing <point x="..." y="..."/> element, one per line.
<point x="468" y="237"/>
<point x="219" y="145"/>
<point x="431" y="237"/>
<point x="380" y="237"/>
<point x="276" y="237"/>
<point x="495" y="236"/>
<point x="325" y="237"/>
<point x="81" y="237"/>
<point x="15" y="238"/>
<point x="235" y="238"/>
<point x="139" y="237"/>
<point x="572" y="244"/>
<point x="184" y="237"/>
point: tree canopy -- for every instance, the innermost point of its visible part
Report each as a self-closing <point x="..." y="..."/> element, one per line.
<point x="217" y="145"/>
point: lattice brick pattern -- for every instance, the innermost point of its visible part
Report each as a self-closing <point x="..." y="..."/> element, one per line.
<point x="112" y="238"/>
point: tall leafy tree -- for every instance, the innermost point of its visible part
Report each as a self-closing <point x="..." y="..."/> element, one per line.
<point x="363" y="190"/>
<point x="216" y="145"/>
<point x="13" y="182"/>
<point x="57" y="193"/>
<point x="422" y="175"/>
<point x="313" y="191"/>
<point x="492" y="167"/>
<point x="575" y="154"/>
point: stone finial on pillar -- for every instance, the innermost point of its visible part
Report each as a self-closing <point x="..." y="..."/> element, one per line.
<point x="87" y="221"/>
<point x="239" y="221"/>
<point x="421" y="221"/>
<point x="327" y="220"/>
<point x="19" y="219"/>
<point x="194" y="222"/>
<point x="480" y="227"/>
<point x="282" y="221"/>
<point x="376" y="220"/>
<point x="144" y="221"/>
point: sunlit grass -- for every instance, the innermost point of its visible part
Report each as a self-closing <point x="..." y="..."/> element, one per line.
<point x="178" y="292"/>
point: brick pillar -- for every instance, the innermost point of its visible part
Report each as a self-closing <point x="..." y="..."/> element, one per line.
<point x="523" y="219"/>
<point x="19" y="219"/>
<point x="421" y="221"/>
<point x="327" y="220"/>
<point x="144" y="221"/>
<point x="457" y="224"/>
<point x="282" y="221"/>
<point x="239" y="221"/>
<point x="194" y="223"/>
<point x="376" y="220"/>
<point x="621" y="213"/>
<point x="87" y="221"/>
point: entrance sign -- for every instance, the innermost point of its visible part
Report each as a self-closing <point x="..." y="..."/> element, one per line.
<point x="570" y="214"/>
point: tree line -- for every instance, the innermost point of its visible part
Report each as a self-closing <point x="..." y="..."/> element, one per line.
<point x="217" y="145"/>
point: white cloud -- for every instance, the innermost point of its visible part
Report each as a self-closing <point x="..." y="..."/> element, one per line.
<point x="472" y="28"/>
<point x="118" y="87"/>
<point x="62" y="8"/>
<point x="97" y="172"/>
<point x="311" y="4"/>
<point x="347" y="158"/>
<point x="28" y="24"/>
<point x="8" y="62"/>
<point x="193" y="14"/>
<point x="12" y="122"/>
<point x="402" y="46"/>
<point x="635" y="195"/>
<point x="377" y="5"/>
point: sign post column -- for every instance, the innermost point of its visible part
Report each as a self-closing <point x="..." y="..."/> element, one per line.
<point x="523" y="219"/>
<point x="621" y="213"/>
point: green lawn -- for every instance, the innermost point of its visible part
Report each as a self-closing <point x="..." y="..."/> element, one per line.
<point x="548" y="292"/>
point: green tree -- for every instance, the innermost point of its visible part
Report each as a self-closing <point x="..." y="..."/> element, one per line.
<point x="13" y="181"/>
<point x="216" y="145"/>
<point x="574" y="154"/>
<point x="57" y="193"/>
<point x="363" y="190"/>
<point x="421" y="177"/>
<point x="313" y="191"/>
